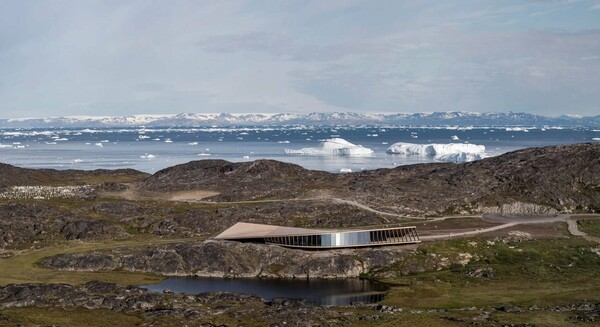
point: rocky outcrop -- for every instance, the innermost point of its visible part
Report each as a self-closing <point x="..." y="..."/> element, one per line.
<point x="25" y="222"/>
<point x="563" y="178"/>
<point x="16" y="176"/>
<point x="233" y="259"/>
<point x="522" y="209"/>
<point x="168" y="308"/>
<point x="237" y="181"/>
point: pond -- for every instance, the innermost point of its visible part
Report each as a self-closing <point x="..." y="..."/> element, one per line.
<point x="318" y="291"/>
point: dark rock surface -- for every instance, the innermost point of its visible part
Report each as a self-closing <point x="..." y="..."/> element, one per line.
<point x="238" y="181"/>
<point x="16" y="176"/>
<point x="25" y="222"/>
<point x="22" y="224"/>
<point x="173" y="307"/>
<point x="233" y="259"/>
<point x="565" y="178"/>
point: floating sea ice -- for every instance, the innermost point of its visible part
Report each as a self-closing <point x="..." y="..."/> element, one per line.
<point x="246" y="157"/>
<point x="77" y="161"/>
<point x="168" y="141"/>
<point x="596" y="138"/>
<point x="148" y="156"/>
<point x="142" y="137"/>
<point x="345" y="170"/>
<point x="453" y="152"/>
<point x="6" y="146"/>
<point x="517" y="129"/>
<point x="283" y="142"/>
<point x="335" y="147"/>
<point x="51" y="143"/>
<point x="203" y="154"/>
<point x="455" y="138"/>
<point x="99" y="145"/>
<point x="193" y="143"/>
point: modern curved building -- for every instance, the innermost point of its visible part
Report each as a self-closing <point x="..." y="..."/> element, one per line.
<point x="319" y="238"/>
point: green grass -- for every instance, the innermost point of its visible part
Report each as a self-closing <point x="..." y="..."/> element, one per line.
<point x="23" y="267"/>
<point x="67" y="317"/>
<point x="540" y="272"/>
<point x="590" y="226"/>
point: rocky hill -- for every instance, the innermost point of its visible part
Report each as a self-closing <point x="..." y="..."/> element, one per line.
<point x="555" y="178"/>
<point x="16" y="176"/>
<point x="238" y="181"/>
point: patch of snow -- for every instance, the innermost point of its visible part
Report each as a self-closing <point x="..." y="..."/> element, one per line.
<point x="453" y="152"/>
<point x="333" y="147"/>
<point x="345" y="170"/>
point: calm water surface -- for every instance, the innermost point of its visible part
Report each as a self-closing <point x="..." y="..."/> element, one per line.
<point x="317" y="291"/>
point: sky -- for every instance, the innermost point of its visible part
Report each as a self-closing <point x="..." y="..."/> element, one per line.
<point x="113" y="58"/>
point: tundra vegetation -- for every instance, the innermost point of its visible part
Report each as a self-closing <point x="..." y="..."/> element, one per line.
<point x="72" y="242"/>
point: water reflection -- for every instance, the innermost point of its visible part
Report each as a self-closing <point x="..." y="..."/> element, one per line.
<point x="317" y="291"/>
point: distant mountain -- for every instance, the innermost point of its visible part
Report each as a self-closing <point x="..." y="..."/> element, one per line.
<point x="454" y="118"/>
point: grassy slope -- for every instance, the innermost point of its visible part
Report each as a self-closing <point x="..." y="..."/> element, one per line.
<point x="591" y="227"/>
<point x="22" y="268"/>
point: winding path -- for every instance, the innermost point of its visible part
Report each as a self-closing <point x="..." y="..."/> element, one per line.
<point x="503" y="221"/>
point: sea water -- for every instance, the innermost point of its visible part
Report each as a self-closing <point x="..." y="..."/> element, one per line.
<point x="152" y="149"/>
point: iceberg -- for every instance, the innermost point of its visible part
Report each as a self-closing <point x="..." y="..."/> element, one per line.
<point x="333" y="147"/>
<point x="453" y="152"/>
<point x="148" y="156"/>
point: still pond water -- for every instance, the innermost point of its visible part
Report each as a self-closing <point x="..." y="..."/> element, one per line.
<point x="317" y="291"/>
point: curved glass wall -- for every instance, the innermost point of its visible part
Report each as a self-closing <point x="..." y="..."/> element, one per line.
<point x="399" y="235"/>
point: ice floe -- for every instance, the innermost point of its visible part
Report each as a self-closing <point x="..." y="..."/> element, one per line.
<point x="333" y="147"/>
<point x="148" y="156"/>
<point x="453" y="152"/>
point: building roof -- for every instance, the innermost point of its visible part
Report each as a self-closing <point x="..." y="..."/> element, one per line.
<point x="248" y="230"/>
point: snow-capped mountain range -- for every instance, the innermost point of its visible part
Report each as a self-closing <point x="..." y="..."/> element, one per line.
<point x="453" y="118"/>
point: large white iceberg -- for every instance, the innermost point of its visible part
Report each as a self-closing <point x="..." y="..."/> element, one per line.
<point x="452" y="152"/>
<point x="333" y="147"/>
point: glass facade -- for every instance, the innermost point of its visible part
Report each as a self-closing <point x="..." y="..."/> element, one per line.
<point x="388" y="236"/>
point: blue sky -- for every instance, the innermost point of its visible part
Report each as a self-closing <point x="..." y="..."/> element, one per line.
<point x="149" y="57"/>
